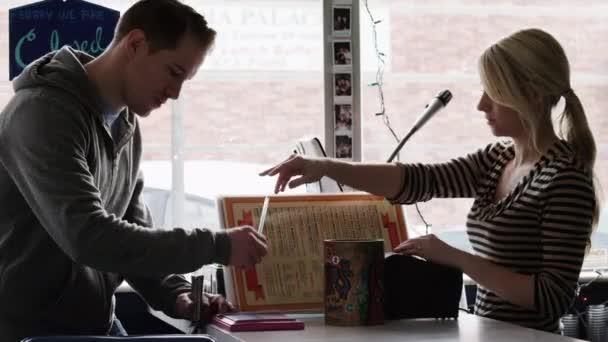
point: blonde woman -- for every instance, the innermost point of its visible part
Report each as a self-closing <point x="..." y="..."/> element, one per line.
<point x="535" y="201"/>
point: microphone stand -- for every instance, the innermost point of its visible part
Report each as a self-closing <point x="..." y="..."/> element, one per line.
<point x="401" y="143"/>
<point x="445" y="96"/>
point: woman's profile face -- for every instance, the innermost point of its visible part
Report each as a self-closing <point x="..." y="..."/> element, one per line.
<point x="503" y="120"/>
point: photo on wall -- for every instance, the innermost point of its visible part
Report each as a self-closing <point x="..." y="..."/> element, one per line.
<point x="344" y="146"/>
<point x="342" y="20"/>
<point x="344" y="118"/>
<point x="343" y="84"/>
<point x="342" y="53"/>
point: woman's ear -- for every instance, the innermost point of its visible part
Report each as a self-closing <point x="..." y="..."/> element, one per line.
<point x="536" y="98"/>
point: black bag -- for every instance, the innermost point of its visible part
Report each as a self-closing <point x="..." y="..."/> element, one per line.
<point x="415" y="288"/>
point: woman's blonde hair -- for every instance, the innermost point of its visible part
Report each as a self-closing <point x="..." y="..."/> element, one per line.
<point x="528" y="72"/>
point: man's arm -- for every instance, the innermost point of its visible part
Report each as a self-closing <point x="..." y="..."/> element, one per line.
<point x="159" y="292"/>
<point x="43" y="146"/>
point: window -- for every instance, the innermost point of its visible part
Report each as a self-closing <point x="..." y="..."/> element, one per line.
<point x="261" y="89"/>
<point x="434" y="45"/>
<point x="258" y="92"/>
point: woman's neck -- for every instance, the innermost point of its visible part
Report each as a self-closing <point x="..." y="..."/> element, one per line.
<point x="525" y="151"/>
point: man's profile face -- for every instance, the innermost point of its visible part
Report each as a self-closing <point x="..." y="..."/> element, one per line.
<point x="152" y="78"/>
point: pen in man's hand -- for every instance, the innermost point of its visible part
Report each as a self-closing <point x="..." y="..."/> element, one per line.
<point x="263" y="215"/>
<point x="198" y="282"/>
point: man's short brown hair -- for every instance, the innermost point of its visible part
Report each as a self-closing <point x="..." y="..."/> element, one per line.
<point x="164" y="23"/>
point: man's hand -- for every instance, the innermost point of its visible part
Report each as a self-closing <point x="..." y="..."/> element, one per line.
<point x="248" y="247"/>
<point x="212" y="304"/>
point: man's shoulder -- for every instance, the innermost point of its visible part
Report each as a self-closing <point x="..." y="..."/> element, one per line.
<point x="39" y="101"/>
<point x="40" y="109"/>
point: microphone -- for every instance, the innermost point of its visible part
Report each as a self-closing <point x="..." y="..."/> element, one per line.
<point x="436" y="104"/>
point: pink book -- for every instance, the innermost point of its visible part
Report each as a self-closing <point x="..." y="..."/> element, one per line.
<point x="257" y="322"/>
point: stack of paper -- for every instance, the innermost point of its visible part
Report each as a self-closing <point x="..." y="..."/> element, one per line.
<point x="257" y="322"/>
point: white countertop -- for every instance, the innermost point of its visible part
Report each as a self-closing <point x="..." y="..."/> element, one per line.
<point x="467" y="328"/>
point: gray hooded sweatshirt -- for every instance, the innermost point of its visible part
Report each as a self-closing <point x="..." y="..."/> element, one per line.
<point x="72" y="221"/>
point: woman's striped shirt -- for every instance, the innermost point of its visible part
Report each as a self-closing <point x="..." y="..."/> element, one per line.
<point x="540" y="228"/>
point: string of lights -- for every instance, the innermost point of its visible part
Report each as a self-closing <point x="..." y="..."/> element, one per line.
<point x="379" y="82"/>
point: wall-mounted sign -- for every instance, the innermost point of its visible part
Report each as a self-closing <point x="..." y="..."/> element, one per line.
<point x="45" y="26"/>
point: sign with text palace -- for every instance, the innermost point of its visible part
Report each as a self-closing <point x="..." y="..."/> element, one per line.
<point x="46" y="26"/>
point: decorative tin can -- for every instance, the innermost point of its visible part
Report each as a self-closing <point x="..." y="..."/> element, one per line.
<point x="354" y="273"/>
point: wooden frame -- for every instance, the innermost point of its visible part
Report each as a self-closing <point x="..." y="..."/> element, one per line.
<point x="290" y="277"/>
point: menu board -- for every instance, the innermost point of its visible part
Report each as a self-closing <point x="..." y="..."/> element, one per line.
<point x="290" y="277"/>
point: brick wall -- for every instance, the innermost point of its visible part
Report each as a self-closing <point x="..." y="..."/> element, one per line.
<point x="256" y="116"/>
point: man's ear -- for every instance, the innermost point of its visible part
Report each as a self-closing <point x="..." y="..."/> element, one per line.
<point x="135" y="43"/>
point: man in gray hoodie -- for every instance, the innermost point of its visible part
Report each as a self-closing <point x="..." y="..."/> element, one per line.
<point x="73" y="224"/>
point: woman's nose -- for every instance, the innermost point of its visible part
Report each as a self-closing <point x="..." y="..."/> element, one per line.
<point x="482" y="105"/>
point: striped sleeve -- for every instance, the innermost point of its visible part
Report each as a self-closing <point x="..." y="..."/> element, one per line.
<point x="566" y="223"/>
<point x="457" y="178"/>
